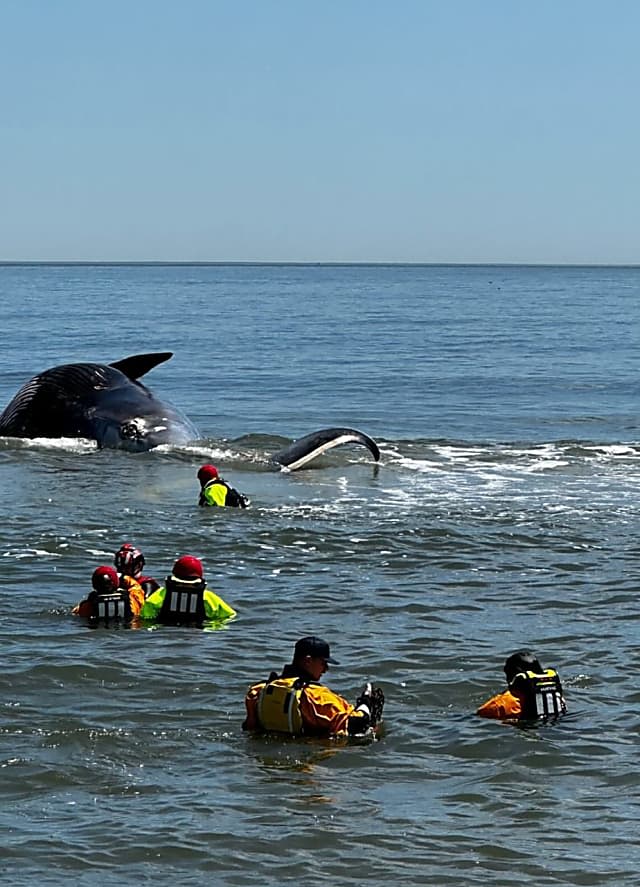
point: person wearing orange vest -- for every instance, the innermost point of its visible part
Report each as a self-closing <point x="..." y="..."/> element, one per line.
<point x="532" y="691"/>
<point x="108" y="601"/>
<point x="216" y="491"/>
<point x="296" y="703"/>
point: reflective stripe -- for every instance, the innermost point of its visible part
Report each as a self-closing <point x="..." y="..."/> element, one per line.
<point x="183" y="602"/>
<point x="112" y="606"/>
<point x="543" y="693"/>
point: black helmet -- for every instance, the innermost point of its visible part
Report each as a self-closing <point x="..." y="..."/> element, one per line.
<point x="521" y="661"/>
<point x="129" y="560"/>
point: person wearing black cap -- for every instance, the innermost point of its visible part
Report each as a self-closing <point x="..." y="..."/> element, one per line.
<point x="532" y="692"/>
<point x="296" y="703"/>
<point x="216" y="491"/>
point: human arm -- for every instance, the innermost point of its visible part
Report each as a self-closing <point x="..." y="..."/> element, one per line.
<point x="215" y="608"/>
<point x="503" y="706"/>
<point x="235" y="499"/>
<point x="151" y="608"/>
<point x="325" y="713"/>
<point x="251" y="722"/>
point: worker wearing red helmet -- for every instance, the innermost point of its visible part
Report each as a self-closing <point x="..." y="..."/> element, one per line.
<point x="184" y="599"/>
<point x="129" y="562"/>
<point x="108" y="601"/>
<point x="216" y="491"/>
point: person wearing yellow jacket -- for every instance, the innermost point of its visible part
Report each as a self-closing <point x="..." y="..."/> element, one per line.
<point x="296" y="703"/>
<point x="216" y="491"/>
<point x="184" y="599"/>
<point x="532" y="691"/>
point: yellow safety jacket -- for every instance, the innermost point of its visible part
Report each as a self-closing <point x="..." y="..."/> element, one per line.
<point x="214" y="493"/>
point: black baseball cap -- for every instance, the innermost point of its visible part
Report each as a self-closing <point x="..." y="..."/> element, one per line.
<point x="315" y="647"/>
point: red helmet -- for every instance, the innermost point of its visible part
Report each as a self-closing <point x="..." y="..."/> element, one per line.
<point x="129" y="560"/>
<point x="187" y="567"/>
<point x="105" y="580"/>
<point x="207" y="473"/>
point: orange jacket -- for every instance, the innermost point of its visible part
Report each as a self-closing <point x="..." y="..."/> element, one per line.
<point x="136" y="599"/>
<point x="504" y="706"/>
<point x="324" y="713"/>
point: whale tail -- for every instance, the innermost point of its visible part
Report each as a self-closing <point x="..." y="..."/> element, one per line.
<point x="303" y="450"/>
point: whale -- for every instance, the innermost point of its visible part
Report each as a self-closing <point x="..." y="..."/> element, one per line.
<point x="107" y="403"/>
<point x="102" y="402"/>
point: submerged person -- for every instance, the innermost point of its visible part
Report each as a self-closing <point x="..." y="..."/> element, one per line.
<point x="185" y="599"/>
<point x="216" y="491"/>
<point x="296" y="703"/>
<point x="108" y="601"/>
<point x="129" y="562"/>
<point x="532" y="691"/>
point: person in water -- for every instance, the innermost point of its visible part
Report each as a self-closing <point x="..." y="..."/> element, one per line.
<point x="184" y="599"/>
<point x="108" y="601"/>
<point x="296" y="703"/>
<point x="216" y="491"/>
<point x="129" y="562"/>
<point x="532" y="691"/>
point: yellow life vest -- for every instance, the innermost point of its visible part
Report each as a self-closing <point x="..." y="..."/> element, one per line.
<point x="215" y="493"/>
<point x="279" y="706"/>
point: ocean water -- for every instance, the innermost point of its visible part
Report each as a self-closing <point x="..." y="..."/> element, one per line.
<point x="505" y="513"/>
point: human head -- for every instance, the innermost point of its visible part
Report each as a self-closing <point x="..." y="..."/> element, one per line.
<point x="105" y="580"/>
<point x="522" y="660"/>
<point x="207" y="473"/>
<point x="129" y="560"/>
<point x="187" y="568"/>
<point x="313" y="654"/>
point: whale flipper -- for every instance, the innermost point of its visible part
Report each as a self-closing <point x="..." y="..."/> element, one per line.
<point x="306" y="448"/>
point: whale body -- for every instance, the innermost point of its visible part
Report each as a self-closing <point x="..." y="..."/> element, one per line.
<point x="107" y="403"/>
<point x="102" y="402"/>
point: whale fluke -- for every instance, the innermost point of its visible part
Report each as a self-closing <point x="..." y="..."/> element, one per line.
<point x="306" y="448"/>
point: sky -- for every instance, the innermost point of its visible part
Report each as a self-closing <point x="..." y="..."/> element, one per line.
<point x="341" y="131"/>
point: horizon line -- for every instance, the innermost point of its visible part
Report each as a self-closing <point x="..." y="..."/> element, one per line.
<point x="293" y="263"/>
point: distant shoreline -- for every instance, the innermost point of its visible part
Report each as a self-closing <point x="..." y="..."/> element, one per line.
<point x="291" y="264"/>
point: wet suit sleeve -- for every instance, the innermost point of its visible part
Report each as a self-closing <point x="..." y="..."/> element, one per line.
<point x="503" y="706"/>
<point x="153" y="604"/>
<point x="235" y="499"/>
<point x="326" y="713"/>
<point x="215" y="608"/>
<point x="251" y="704"/>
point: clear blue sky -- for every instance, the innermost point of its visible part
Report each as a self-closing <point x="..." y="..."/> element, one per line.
<point x="342" y="130"/>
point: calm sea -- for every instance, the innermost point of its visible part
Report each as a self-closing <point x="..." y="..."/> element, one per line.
<point x="505" y="514"/>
